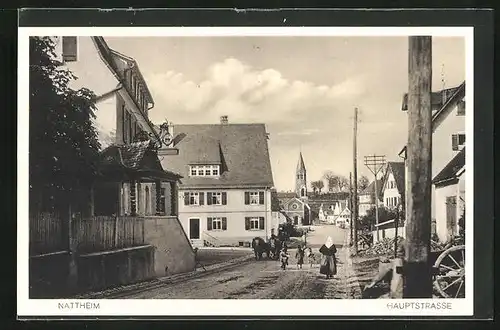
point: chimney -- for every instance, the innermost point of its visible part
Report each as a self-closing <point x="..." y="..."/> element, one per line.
<point x="223" y="120"/>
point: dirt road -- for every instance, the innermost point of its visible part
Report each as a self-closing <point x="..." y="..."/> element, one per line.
<point x="258" y="280"/>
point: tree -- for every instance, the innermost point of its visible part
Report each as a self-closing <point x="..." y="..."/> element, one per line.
<point x="336" y="183"/>
<point x="317" y="185"/>
<point x="363" y="183"/>
<point x="329" y="176"/>
<point x="63" y="142"/>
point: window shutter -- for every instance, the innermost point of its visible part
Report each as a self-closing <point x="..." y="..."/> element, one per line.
<point x="261" y="222"/>
<point x="247" y="198"/>
<point x="209" y="198"/>
<point x="224" y="223"/>
<point x="454" y="141"/>
<point x="261" y="197"/>
<point x="209" y="223"/>
<point x="224" y="198"/>
<point x="69" y="46"/>
<point x="186" y="198"/>
<point x="202" y="197"/>
<point x="247" y="223"/>
<point x="461" y="108"/>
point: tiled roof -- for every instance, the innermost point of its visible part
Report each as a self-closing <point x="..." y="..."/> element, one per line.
<point x="451" y="169"/>
<point x="328" y="196"/>
<point x="286" y="195"/>
<point x="398" y="171"/>
<point x="137" y="156"/>
<point x="436" y="98"/>
<point x="241" y="149"/>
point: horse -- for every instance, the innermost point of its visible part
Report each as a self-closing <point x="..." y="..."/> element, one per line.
<point x="260" y="247"/>
<point x="274" y="248"/>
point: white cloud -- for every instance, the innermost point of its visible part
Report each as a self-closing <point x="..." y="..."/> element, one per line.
<point x="246" y="94"/>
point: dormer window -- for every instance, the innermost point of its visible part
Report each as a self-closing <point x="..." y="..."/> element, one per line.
<point x="204" y="170"/>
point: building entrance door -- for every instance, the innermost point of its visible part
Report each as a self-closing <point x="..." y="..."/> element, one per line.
<point x="194" y="228"/>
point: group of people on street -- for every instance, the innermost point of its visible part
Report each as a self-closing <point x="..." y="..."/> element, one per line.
<point x="328" y="263"/>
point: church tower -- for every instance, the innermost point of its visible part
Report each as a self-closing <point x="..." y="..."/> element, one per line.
<point x="301" y="179"/>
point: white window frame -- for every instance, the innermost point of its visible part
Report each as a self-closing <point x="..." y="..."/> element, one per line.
<point x="194" y="198"/>
<point x="217" y="223"/>
<point x="254" y="223"/>
<point x="254" y="197"/>
<point x="204" y="170"/>
<point x="217" y="197"/>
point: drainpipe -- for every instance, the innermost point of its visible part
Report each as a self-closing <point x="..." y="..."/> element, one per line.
<point x="265" y="207"/>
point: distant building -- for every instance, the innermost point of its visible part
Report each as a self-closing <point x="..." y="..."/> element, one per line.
<point x="393" y="185"/>
<point x="367" y="197"/>
<point x="226" y="190"/>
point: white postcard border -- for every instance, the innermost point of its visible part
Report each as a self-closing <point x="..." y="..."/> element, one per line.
<point x="206" y="307"/>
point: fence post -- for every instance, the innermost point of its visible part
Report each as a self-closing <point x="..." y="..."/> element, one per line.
<point x="73" y="266"/>
<point x="115" y="233"/>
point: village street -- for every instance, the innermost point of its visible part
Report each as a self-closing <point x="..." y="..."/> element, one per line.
<point x="266" y="280"/>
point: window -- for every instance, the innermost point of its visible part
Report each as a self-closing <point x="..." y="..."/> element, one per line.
<point x="204" y="170"/>
<point x="254" y="223"/>
<point x="162" y="209"/>
<point x="193" y="198"/>
<point x="457" y="141"/>
<point x="254" y="198"/>
<point x="303" y="192"/>
<point x="217" y="223"/>
<point x="70" y="49"/>
<point x="216" y="198"/>
<point x="461" y="108"/>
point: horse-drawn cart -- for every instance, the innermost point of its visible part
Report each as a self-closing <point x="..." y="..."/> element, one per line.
<point x="449" y="271"/>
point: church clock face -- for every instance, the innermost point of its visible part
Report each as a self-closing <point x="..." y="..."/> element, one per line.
<point x="294" y="206"/>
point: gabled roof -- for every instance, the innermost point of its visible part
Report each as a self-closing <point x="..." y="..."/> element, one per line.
<point x="371" y="188"/>
<point x="240" y="149"/>
<point x="398" y="171"/>
<point x="438" y="99"/>
<point x="449" y="172"/>
<point x="110" y="58"/>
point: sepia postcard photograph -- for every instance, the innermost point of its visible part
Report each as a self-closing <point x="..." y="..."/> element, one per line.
<point x="245" y="171"/>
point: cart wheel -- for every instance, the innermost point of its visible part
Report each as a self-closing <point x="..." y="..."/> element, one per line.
<point x="450" y="277"/>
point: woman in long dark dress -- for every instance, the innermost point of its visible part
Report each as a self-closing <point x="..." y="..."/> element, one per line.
<point x="328" y="260"/>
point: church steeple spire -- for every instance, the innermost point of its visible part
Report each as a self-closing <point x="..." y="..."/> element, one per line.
<point x="301" y="178"/>
<point x="300" y="165"/>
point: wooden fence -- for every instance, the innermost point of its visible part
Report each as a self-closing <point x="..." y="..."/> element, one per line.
<point x="46" y="233"/>
<point x="104" y="233"/>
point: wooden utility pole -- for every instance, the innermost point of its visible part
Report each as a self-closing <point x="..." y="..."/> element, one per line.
<point x="350" y="208"/>
<point x="417" y="271"/>
<point x="375" y="164"/>
<point x="354" y="222"/>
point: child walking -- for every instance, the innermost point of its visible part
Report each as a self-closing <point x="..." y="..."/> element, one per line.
<point x="284" y="257"/>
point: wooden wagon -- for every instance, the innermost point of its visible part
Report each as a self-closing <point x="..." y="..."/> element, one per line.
<point x="449" y="271"/>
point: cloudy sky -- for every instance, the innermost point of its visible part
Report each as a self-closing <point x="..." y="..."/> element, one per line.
<point x="304" y="89"/>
